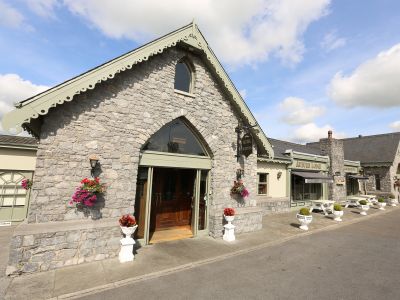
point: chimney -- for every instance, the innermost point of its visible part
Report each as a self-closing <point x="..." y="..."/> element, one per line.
<point x="330" y="134"/>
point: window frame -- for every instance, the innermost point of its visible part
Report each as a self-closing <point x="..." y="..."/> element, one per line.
<point x="378" y="182"/>
<point x="265" y="183"/>
<point x="190" y="68"/>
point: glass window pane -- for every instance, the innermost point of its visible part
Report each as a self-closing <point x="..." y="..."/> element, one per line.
<point x="182" y="77"/>
<point x="175" y="137"/>
<point x="262" y="177"/>
<point x="262" y="189"/>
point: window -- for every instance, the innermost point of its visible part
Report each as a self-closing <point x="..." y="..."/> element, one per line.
<point x="377" y="182"/>
<point x="262" y="183"/>
<point x="11" y="191"/>
<point x="175" y="137"/>
<point x="183" y="77"/>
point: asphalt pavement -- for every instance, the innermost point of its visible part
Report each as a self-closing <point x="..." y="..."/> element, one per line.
<point x="357" y="261"/>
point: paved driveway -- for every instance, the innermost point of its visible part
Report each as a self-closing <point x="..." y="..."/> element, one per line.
<point x="359" y="261"/>
<point x="5" y="237"/>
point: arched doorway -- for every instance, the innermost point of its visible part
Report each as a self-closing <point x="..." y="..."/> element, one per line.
<point x="172" y="184"/>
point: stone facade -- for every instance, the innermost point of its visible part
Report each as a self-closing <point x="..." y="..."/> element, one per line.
<point x="113" y="121"/>
<point x="273" y="205"/>
<point x="334" y="149"/>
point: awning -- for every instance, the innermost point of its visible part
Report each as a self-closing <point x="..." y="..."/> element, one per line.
<point x="359" y="177"/>
<point x="311" y="177"/>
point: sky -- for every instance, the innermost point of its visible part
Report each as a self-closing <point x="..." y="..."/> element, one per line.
<point x="303" y="66"/>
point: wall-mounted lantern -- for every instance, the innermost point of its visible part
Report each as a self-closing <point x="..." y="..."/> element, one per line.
<point x="279" y="175"/>
<point x="239" y="173"/>
<point x="93" y="159"/>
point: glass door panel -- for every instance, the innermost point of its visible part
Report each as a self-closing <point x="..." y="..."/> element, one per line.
<point x="203" y="201"/>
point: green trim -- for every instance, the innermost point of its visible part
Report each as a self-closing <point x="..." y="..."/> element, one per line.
<point x="40" y="104"/>
<point x="174" y="160"/>
<point x="22" y="147"/>
<point x="148" y="206"/>
<point x="275" y="160"/>
<point x="352" y="163"/>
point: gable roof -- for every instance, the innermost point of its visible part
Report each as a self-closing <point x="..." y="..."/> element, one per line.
<point x="380" y="148"/>
<point x="32" y="108"/>
<point x="280" y="148"/>
<point x="17" y="141"/>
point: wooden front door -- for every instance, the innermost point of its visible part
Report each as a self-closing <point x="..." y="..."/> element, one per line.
<point x="172" y="198"/>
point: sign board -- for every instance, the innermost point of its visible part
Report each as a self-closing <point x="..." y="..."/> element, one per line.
<point x="247" y="144"/>
<point x="308" y="165"/>
<point x="353" y="170"/>
<point x="340" y="180"/>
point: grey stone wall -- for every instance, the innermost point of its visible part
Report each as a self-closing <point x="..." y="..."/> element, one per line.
<point x="46" y="251"/>
<point x="273" y="205"/>
<point x="247" y="219"/>
<point x="113" y="121"/>
<point x="334" y="149"/>
<point x="385" y="179"/>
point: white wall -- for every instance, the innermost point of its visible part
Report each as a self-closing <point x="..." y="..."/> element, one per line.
<point x="17" y="159"/>
<point x="276" y="187"/>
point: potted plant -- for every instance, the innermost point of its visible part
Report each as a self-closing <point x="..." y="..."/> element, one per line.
<point x="337" y="212"/>
<point x="304" y="217"/>
<point x="229" y="214"/>
<point x="229" y="229"/>
<point x="392" y="200"/>
<point x="364" y="207"/>
<point x="381" y="203"/>
<point x="128" y="225"/>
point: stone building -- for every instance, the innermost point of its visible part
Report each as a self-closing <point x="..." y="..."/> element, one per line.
<point x="161" y="120"/>
<point x="380" y="159"/>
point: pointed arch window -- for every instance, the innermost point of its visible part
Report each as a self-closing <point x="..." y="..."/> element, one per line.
<point x="183" y="77"/>
<point x="175" y="137"/>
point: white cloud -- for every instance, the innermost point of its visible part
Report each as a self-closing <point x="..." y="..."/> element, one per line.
<point x="296" y="111"/>
<point x="43" y="8"/>
<point x="312" y="133"/>
<point x="376" y="82"/>
<point x="13" y="88"/>
<point x="253" y="29"/>
<point x="395" y="126"/>
<point x="9" y="16"/>
<point x="331" y="41"/>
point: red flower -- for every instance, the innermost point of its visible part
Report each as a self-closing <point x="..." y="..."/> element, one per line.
<point x="127" y="221"/>
<point x="229" y="211"/>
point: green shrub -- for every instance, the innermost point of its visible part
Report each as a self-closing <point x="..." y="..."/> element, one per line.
<point x="391" y="196"/>
<point x="304" y="211"/>
<point x="381" y="200"/>
<point x="337" y="207"/>
<point x="363" y="202"/>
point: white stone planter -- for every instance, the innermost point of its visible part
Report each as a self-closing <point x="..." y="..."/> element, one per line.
<point x="364" y="209"/>
<point x="338" y="214"/>
<point x="382" y="205"/>
<point x="304" y="221"/>
<point x="126" y="252"/>
<point x="392" y="202"/>
<point x="229" y="219"/>
<point x="229" y="232"/>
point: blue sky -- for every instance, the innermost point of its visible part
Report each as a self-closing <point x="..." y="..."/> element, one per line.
<point x="303" y="67"/>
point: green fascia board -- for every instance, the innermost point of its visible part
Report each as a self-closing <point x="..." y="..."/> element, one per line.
<point x="275" y="160"/>
<point x="40" y="104"/>
<point x="310" y="157"/>
<point x="174" y="160"/>
<point x="352" y="163"/>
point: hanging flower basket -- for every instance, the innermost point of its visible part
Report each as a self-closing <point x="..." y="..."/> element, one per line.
<point x="239" y="189"/>
<point x="86" y="194"/>
<point x="26" y="184"/>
